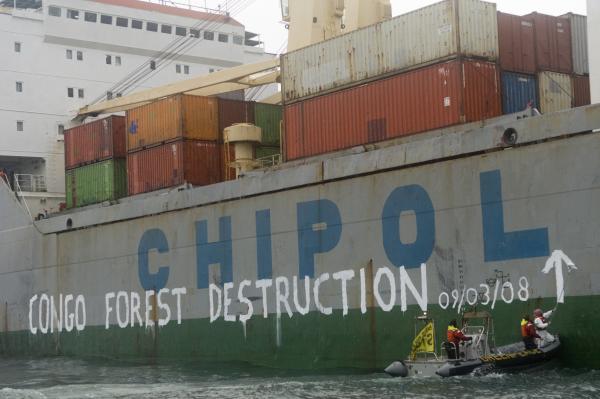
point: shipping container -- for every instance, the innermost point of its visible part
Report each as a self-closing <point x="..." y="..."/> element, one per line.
<point x="516" y="43"/>
<point x="581" y="91"/>
<point x="518" y="91"/>
<point x="95" y="141"/>
<point x="555" y="91"/>
<point x="95" y="183"/>
<point x="425" y="36"/>
<point x="268" y="117"/>
<point x="579" y="43"/>
<point x="234" y="111"/>
<point x="172" y="118"/>
<point x="552" y="43"/>
<point x="172" y="164"/>
<point x="432" y="97"/>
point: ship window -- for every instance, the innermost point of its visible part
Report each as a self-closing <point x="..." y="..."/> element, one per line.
<point x="109" y="95"/>
<point x="69" y="54"/>
<point x="17" y="47"/>
<point x="72" y="14"/>
<point x="54" y="11"/>
<point x="80" y="56"/>
<point x="19" y="87"/>
<point x="177" y="68"/>
<point x="152" y="26"/>
<point x="70" y="92"/>
<point x="20" y="126"/>
<point x="80" y="93"/>
<point x="238" y="40"/>
<point x="123" y="22"/>
<point x="61" y="130"/>
<point x="186" y="69"/>
<point x="117" y="60"/>
<point x="208" y="35"/>
<point x="166" y="29"/>
<point x="108" y="59"/>
<point x="106" y="19"/>
<point x="90" y="17"/>
<point x="180" y="31"/>
<point x="223" y="38"/>
<point x="195" y="33"/>
<point x="136" y="24"/>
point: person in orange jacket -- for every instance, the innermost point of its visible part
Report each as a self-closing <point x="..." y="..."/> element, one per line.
<point x="528" y="333"/>
<point x="455" y="337"/>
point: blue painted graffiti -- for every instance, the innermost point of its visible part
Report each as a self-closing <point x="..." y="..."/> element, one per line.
<point x="209" y="253"/>
<point x="152" y="239"/>
<point x="319" y="230"/>
<point x="405" y="199"/>
<point x="498" y="244"/>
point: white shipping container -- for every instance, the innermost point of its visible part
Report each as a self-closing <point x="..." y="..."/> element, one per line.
<point x="556" y="91"/>
<point x="430" y="34"/>
<point x="579" y="42"/>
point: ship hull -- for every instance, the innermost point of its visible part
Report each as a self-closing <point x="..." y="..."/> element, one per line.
<point x="328" y="273"/>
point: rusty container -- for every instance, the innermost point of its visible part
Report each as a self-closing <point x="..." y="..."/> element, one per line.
<point x="95" y="141"/>
<point x="552" y="43"/>
<point x="581" y="91"/>
<point x="516" y="43"/>
<point x="429" y="98"/>
<point x="172" y="164"/>
<point x="172" y="118"/>
<point x="234" y="111"/>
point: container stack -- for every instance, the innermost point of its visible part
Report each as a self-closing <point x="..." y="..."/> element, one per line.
<point x="179" y="140"/>
<point x="428" y="69"/>
<point x="581" y="68"/>
<point x="95" y="162"/>
<point x="544" y="61"/>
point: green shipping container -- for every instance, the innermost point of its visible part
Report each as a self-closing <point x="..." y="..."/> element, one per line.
<point x="262" y="151"/>
<point x="95" y="183"/>
<point x="268" y="117"/>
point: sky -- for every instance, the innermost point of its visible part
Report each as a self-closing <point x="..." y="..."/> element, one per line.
<point x="264" y="16"/>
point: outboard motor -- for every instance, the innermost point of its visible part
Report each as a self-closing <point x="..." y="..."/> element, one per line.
<point x="397" y="369"/>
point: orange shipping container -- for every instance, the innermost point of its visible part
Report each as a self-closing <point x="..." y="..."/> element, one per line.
<point x="95" y="141"/>
<point x="552" y="43"/>
<point x="581" y="91"/>
<point x="168" y="165"/>
<point x="429" y="98"/>
<point x="516" y="43"/>
<point x="177" y="117"/>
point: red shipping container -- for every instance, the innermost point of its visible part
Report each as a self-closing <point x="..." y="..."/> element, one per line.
<point x="169" y="165"/>
<point x="425" y="99"/>
<point x="581" y="91"/>
<point x="95" y="141"/>
<point x="516" y="43"/>
<point x="552" y="43"/>
<point x="234" y="111"/>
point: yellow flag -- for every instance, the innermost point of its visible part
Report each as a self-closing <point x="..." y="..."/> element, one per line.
<point x="423" y="342"/>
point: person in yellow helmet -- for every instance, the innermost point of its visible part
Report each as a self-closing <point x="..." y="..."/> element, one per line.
<point x="455" y="337"/>
<point x="528" y="333"/>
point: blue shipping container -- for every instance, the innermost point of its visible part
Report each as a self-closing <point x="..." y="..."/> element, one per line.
<point x="518" y="90"/>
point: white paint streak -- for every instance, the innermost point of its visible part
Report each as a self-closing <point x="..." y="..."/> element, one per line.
<point x="161" y="305"/>
<point x="135" y="309"/>
<point x="149" y="322"/>
<point x="213" y="289"/>
<point x="122" y="295"/>
<point x="282" y="295"/>
<point x="245" y="317"/>
<point x="32" y="329"/>
<point x="384" y="271"/>
<point x="344" y="276"/>
<point x="406" y="282"/>
<point x="178" y="292"/>
<point x="325" y="310"/>
<point x="302" y="309"/>
<point x="263" y="285"/>
<point x="363" y="292"/>
<point x="227" y="303"/>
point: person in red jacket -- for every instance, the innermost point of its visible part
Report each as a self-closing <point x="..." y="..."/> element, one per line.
<point x="455" y="336"/>
<point x="528" y="333"/>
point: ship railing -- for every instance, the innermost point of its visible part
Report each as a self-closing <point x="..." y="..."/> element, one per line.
<point x="269" y="161"/>
<point x="30" y="183"/>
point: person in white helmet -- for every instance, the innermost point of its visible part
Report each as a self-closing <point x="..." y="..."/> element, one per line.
<point x="541" y="323"/>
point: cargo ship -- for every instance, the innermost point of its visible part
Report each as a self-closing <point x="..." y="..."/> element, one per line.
<point x="426" y="199"/>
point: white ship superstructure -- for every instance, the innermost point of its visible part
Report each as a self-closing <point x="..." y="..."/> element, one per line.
<point x="70" y="53"/>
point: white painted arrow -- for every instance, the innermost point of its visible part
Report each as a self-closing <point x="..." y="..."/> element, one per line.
<point x="555" y="261"/>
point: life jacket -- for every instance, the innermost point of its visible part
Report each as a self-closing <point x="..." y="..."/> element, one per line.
<point x="524" y="328"/>
<point x="450" y="333"/>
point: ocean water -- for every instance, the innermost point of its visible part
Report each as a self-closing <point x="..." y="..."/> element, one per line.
<point x="69" y="378"/>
